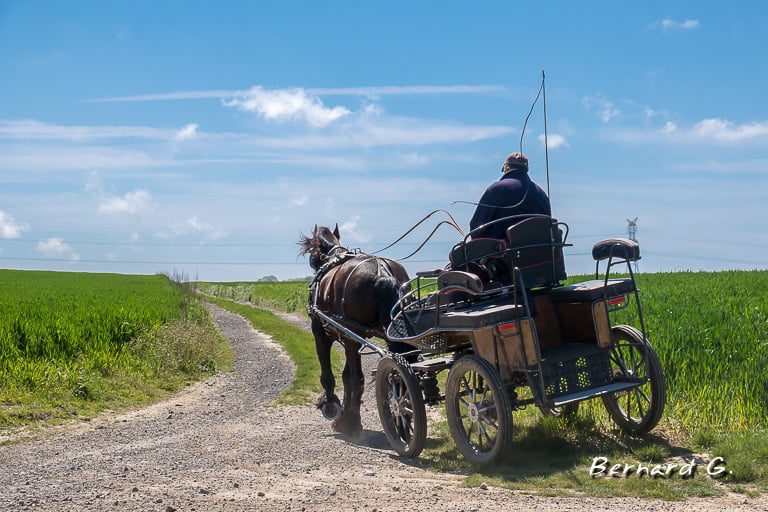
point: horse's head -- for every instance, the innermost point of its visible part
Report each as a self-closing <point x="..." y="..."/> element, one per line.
<point x="322" y="241"/>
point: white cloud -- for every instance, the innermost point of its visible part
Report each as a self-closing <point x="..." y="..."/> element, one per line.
<point x="380" y="130"/>
<point x="414" y="159"/>
<point x="651" y="113"/>
<point x="600" y="106"/>
<point x="669" y="127"/>
<point x="31" y="129"/>
<point x="667" y="24"/>
<point x="349" y="231"/>
<point x="300" y="200"/>
<point x="554" y="140"/>
<point x="371" y="92"/>
<point x="56" y="248"/>
<point x="132" y="202"/>
<point x="194" y="225"/>
<point x="727" y="131"/>
<point x="9" y="228"/>
<point x="73" y="158"/>
<point x="672" y="24"/>
<point x="377" y="91"/>
<point x="706" y="132"/>
<point x="287" y="105"/>
<point x="187" y="132"/>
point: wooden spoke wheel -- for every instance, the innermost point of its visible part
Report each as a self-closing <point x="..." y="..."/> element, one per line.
<point x="478" y="410"/>
<point x="638" y="409"/>
<point x="401" y="406"/>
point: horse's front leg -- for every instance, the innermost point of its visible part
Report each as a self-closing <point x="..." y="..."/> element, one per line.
<point x="327" y="402"/>
<point x="349" y="422"/>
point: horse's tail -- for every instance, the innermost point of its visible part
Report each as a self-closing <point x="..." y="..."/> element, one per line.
<point x="389" y="293"/>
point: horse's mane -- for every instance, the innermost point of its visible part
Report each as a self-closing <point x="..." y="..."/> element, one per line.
<point x="307" y="244"/>
<point x="322" y="241"/>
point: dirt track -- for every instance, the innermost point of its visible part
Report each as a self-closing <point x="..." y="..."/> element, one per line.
<point x="219" y="446"/>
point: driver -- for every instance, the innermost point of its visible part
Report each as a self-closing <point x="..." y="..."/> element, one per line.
<point x="514" y="194"/>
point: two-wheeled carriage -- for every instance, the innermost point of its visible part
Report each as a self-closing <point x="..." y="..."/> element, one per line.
<point x="499" y="321"/>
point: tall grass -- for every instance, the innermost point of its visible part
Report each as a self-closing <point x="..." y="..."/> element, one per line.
<point x="710" y="330"/>
<point x="96" y="339"/>
<point x="284" y="296"/>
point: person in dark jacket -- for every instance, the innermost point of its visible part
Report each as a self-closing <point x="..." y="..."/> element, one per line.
<point x="514" y="194"/>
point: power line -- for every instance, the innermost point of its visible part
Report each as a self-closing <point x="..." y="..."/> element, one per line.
<point x="141" y="262"/>
<point x="178" y="244"/>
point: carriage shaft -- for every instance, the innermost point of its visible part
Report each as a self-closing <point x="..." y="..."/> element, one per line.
<point x="314" y="311"/>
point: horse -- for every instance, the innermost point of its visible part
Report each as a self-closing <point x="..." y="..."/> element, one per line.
<point x="359" y="290"/>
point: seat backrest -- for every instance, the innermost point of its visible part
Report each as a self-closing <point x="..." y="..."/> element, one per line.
<point x="475" y="250"/>
<point x="535" y="246"/>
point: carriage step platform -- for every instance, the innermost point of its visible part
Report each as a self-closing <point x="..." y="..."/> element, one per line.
<point x="595" y="392"/>
<point x="435" y="364"/>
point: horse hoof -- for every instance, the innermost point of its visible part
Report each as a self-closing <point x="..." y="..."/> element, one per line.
<point x="331" y="410"/>
<point x="348" y="425"/>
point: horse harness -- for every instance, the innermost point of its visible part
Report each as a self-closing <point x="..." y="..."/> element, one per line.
<point x="336" y="256"/>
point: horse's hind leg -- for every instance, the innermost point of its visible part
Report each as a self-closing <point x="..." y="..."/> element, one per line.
<point x="349" y="422"/>
<point x="327" y="402"/>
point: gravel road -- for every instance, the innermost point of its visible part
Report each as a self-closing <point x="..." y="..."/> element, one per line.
<point x="219" y="445"/>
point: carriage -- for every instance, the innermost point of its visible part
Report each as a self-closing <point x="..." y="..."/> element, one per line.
<point x="509" y="334"/>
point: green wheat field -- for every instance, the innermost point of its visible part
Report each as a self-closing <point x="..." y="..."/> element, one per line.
<point x="69" y="340"/>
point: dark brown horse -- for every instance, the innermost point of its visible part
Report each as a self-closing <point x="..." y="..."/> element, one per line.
<point x="359" y="291"/>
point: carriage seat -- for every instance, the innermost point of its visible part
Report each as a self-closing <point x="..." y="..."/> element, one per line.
<point x="457" y="280"/>
<point x="449" y="308"/>
<point x="617" y="248"/>
<point x="476" y="250"/>
<point x="483" y="313"/>
<point x="480" y="315"/>
<point x="477" y="256"/>
<point x="535" y="246"/>
<point x="590" y="291"/>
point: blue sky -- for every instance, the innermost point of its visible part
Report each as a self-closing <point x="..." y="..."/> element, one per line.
<point x="205" y="137"/>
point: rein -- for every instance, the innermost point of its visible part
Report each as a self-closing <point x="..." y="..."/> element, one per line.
<point x="451" y="223"/>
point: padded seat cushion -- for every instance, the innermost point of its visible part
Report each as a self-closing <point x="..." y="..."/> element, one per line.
<point x="458" y="280"/>
<point x="590" y="291"/>
<point x="616" y="247"/>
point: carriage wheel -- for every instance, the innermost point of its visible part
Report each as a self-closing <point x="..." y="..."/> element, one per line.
<point x="401" y="407"/>
<point x="638" y="409"/>
<point x="478" y="410"/>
